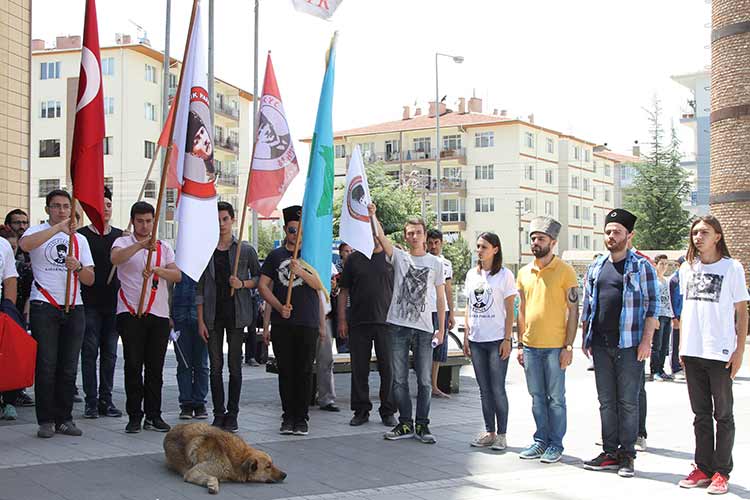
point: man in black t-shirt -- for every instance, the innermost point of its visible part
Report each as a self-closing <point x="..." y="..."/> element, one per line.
<point x="100" y="336"/>
<point x="368" y="284"/>
<point x="294" y="327"/>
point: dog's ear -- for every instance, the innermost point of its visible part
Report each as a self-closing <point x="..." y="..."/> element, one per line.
<point x="249" y="466"/>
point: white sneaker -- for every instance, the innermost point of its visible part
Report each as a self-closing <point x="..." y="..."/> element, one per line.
<point x="500" y="443"/>
<point x="483" y="440"/>
<point x="640" y="444"/>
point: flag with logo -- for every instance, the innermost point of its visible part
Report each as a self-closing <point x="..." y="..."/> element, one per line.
<point x="317" y="205"/>
<point x="323" y="9"/>
<point x="192" y="142"/>
<point x="355" y="227"/>
<point x="274" y="164"/>
<point x="87" y="154"/>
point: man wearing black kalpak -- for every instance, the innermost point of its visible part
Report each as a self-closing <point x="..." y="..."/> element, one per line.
<point x="294" y="327"/>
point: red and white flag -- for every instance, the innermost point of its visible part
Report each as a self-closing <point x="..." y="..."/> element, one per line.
<point x="320" y="8"/>
<point x="87" y="155"/>
<point x="192" y="139"/>
<point x="274" y="164"/>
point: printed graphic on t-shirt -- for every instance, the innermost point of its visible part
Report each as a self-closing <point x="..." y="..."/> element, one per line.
<point x="56" y="251"/>
<point x="284" y="274"/>
<point x="412" y="294"/>
<point x="705" y="287"/>
<point x="481" y="298"/>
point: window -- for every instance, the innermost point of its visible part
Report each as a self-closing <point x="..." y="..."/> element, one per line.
<point x="607" y="171"/>
<point x="169" y="230"/>
<point x="596" y="219"/>
<point x="576" y="241"/>
<point x="606" y="195"/>
<point x="587" y="155"/>
<point x="171" y="196"/>
<point x="528" y="204"/>
<point x="548" y="179"/>
<point x="149" y="111"/>
<point x="484" y="204"/>
<point x="173" y="81"/>
<point x="108" y="145"/>
<point x="47" y="185"/>
<point x="528" y="172"/>
<point x="150" y="190"/>
<point x="550" y="145"/>
<point x="149" y="148"/>
<point x="368" y="151"/>
<point x="150" y="73"/>
<point x="574" y="182"/>
<point x="219" y="133"/>
<point x="392" y="150"/>
<point x="593" y="192"/>
<point x="453" y="211"/>
<point x="576" y="153"/>
<point x="549" y="208"/>
<point x="596" y="165"/>
<point x="49" y="148"/>
<point x="484" y="139"/>
<point x="339" y="151"/>
<point x="529" y="140"/>
<point x="452" y="173"/>
<point x="51" y="109"/>
<point x="484" y="172"/>
<point x="109" y="183"/>
<point x="422" y="145"/>
<point x="587" y="242"/>
<point x="586" y="213"/>
<point x="576" y="212"/>
<point x="49" y="70"/>
<point x="586" y="184"/>
<point x="451" y="142"/>
<point x="108" y="66"/>
<point x="109" y="105"/>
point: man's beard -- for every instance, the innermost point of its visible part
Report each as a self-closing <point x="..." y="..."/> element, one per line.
<point x="616" y="247"/>
<point x="540" y="252"/>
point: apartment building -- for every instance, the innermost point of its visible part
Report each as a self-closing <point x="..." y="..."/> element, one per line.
<point x="490" y="164"/>
<point x="132" y="81"/>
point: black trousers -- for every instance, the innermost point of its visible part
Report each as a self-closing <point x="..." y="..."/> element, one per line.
<point x="294" y="347"/>
<point x="361" y="340"/>
<point x="711" y="398"/>
<point x="144" y="345"/>
<point x="235" y="339"/>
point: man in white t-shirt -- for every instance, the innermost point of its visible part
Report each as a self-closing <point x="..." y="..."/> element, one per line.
<point x="59" y="334"/>
<point x="8" y="273"/>
<point x="418" y="287"/>
<point x="144" y="338"/>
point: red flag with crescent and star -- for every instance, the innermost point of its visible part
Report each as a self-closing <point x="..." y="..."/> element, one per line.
<point x="87" y="155"/>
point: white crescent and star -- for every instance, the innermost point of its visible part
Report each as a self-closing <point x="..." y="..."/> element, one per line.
<point x="90" y="66"/>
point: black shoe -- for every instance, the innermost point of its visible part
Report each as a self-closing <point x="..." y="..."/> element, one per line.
<point x="359" y="419"/>
<point x="627" y="467"/>
<point x="23" y="400"/>
<point x="602" y="462"/>
<point x="301" y="428"/>
<point x="156" y="424"/>
<point x="134" y="426"/>
<point x="109" y="410"/>
<point x="91" y="412"/>
<point x="186" y="414"/>
<point x="389" y="421"/>
<point x="200" y="413"/>
<point x="230" y="423"/>
<point x="252" y="362"/>
<point x="218" y="421"/>
<point x="330" y="407"/>
<point x="287" y="427"/>
<point x="68" y="429"/>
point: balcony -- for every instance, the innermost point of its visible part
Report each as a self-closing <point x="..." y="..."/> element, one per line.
<point x="427" y="183"/>
<point x="413" y="155"/>
<point x="228" y="177"/>
<point x="228" y="144"/>
<point x="223" y="108"/>
<point x="454" y="220"/>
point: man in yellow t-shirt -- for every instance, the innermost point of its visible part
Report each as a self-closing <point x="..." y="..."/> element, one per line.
<point x="547" y="324"/>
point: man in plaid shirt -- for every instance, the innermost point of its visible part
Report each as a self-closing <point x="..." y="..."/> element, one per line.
<point x="619" y="316"/>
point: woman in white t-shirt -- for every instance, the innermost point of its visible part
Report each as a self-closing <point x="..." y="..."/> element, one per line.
<point x="490" y="289"/>
<point x="713" y="328"/>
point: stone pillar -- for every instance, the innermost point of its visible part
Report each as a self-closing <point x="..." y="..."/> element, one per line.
<point x="730" y="123"/>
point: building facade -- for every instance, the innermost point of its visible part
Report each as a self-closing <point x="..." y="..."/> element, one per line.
<point x="132" y="81"/>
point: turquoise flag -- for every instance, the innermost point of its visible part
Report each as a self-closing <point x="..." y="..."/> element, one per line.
<point x="317" y="206"/>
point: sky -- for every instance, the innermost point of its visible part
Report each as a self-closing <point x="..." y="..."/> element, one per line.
<point x="582" y="67"/>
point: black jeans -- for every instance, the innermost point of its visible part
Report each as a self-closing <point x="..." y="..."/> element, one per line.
<point x="361" y="340"/>
<point x="710" y="392"/>
<point x="235" y="339"/>
<point x="642" y="405"/>
<point x="675" y="361"/>
<point x="660" y="345"/>
<point x="294" y="347"/>
<point x="59" y="337"/>
<point x="99" y="340"/>
<point x="144" y="345"/>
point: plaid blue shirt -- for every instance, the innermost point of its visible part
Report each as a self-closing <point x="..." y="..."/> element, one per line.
<point x="640" y="298"/>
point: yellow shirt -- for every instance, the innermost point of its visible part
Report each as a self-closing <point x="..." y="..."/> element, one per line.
<point x="546" y="294"/>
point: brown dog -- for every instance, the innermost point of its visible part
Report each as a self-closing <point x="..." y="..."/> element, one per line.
<point x="205" y="455"/>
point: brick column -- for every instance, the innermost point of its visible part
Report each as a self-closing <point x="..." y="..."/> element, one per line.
<point x="730" y="123"/>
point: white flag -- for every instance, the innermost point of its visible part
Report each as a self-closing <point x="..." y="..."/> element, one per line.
<point x="355" y="228"/>
<point x="320" y="8"/>
<point x="197" y="213"/>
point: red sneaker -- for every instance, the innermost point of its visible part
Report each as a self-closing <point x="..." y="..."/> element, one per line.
<point x="719" y="485"/>
<point x="696" y="479"/>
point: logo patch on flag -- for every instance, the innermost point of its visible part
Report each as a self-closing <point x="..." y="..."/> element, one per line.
<point x="356" y="200"/>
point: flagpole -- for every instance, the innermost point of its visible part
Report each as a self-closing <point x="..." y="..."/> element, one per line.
<point x="70" y="252"/>
<point x="254" y="235"/>
<point x="167" y="159"/>
<point x="294" y="256"/>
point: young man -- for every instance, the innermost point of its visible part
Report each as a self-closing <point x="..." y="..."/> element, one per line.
<point x="342" y="344"/>
<point x="220" y="311"/>
<point x="368" y="285"/>
<point x="675" y="296"/>
<point x="661" y="341"/>
<point x="619" y="315"/>
<point x="144" y="338"/>
<point x="58" y="334"/>
<point x="295" y="328"/>
<point x="418" y="286"/>
<point x="100" y="337"/>
<point x="714" y="329"/>
<point x="547" y="325"/>
<point x="440" y="353"/>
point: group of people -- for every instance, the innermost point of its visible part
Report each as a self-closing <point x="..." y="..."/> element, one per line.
<point x="398" y="300"/>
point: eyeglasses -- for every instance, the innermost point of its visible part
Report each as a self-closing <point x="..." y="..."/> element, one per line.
<point x="291" y="230"/>
<point x="59" y="206"/>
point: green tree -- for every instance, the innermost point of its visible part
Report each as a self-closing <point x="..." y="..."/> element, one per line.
<point x="660" y="187"/>
<point x="460" y="256"/>
<point x="266" y="238"/>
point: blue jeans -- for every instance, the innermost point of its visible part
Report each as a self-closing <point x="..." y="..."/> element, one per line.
<point x="420" y="343"/>
<point x="59" y="337"/>
<point x="545" y="381"/>
<point x="618" y="384"/>
<point x="192" y="378"/>
<point x="99" y="340"/>
<point x="660" y="345"/>
<point x="490" y="370"/>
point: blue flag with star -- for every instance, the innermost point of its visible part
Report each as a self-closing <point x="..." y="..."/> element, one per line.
<point x="317" y="205"/>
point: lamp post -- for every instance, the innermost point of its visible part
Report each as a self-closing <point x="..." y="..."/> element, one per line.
<point x="457" y="60"/>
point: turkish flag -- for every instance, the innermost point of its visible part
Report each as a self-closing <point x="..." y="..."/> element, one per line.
<point x="87" y="155"/>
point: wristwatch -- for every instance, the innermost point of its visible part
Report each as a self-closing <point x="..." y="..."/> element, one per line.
<point x="569" y="348"/>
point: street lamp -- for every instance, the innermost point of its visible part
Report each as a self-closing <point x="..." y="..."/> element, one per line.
<point x="457" y="60"/>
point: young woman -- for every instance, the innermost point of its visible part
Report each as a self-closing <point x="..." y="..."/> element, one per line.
<point x="491" y="291"/>
<point x="713" y="328"/>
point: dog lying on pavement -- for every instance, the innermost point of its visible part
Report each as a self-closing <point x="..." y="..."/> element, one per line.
<point x="205" y="455"/>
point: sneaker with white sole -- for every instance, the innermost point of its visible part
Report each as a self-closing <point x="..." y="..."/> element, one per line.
<point x="719" y="485"/>
<point x="640" y="444"/>
<point x="483" y="440"/>
<point x="532" y="452"/>
<point x="500" y="443"/>
<point x="551" y="455"/>
<point x="402" y="431"/>
<point x="68" y="429"/>
<point x="422" y="433"/>
<point x="696" y="479"/>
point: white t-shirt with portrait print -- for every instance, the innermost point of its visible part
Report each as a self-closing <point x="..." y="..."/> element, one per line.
<point x="7" y="262"/>
<point x="709" y="293"/>
<point x="486" y="294"/>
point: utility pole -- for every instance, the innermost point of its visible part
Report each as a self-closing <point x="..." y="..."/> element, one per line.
<point x="519" y="209"/>
<point x="254" y="233"/>
<point x="162" y="230"/>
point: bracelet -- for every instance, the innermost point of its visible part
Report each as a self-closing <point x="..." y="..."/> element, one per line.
<point x="80" y="268"/>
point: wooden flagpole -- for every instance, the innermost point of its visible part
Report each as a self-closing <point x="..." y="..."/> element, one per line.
<point x="167" y="159"/>
<point x="70" y="252"/>
<point x="242" y="222"/>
